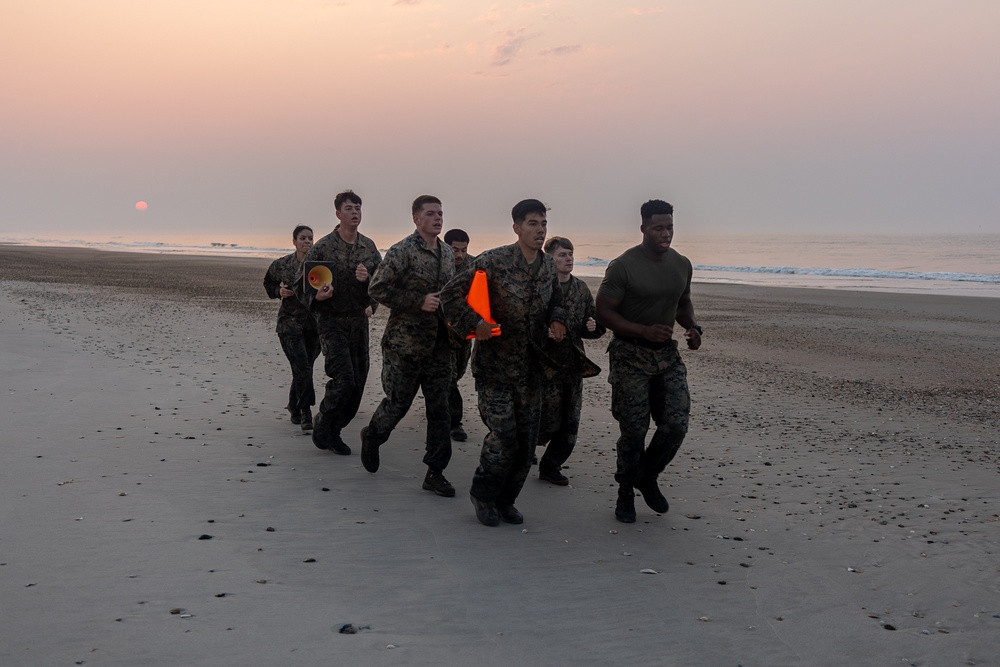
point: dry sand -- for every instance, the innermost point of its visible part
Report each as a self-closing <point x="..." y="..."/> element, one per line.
<point x="835" y="501"/>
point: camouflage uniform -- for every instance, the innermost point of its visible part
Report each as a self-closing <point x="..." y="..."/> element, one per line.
<point x="524" y="299"/>
<point x="415" y="348"/>
<point x="343" y="328"/>
<point x="460" y="355"/>
<point x="647" y="382"/>
<point x="647" y="379"/>
<point x="461" y="351"/>
<point x="562" y="389"/>
<point x="296" y="332"/>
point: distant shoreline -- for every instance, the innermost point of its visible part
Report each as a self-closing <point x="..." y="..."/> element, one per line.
<point x="855" y="280"/>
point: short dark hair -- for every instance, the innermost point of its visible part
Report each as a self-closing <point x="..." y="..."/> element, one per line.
<point x="419" y="202"/>
<point x="557" y="242"/>
<point x="346" y="195"/>
<point x="525" y="207"/>
<point x="299" y="229"/>
<point x="655" y="207"/>
<point x="456" y="235"/>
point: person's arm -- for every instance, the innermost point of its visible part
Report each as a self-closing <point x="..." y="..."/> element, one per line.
<point x="608" y="315"/>
<point x="557" y="315"/>
<point x="590" y="327"/>
<point x="272" y="283"/>
<point x="446" y="271"/>
<point x="685" y="318"/>
<point x="366" y="276"/>
<point x="387" y="284"/>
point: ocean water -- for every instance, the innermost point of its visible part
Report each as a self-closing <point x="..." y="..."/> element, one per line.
<point x="959" y="264"/>
<point x="956" y="264"/>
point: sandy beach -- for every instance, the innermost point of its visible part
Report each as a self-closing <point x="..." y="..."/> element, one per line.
<point x="835" y="502"/>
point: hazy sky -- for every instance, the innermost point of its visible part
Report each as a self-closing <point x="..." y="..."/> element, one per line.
<point x="237" y="119"/>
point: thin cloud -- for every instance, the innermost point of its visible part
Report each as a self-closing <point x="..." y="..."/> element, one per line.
<point x="492" y="15"/>
<point x="489" y="75"/>
<point x="401" y="3"/>
<point x="646" y="11"/>
<point x="505" y="51"/>
<point x="441" y="50"/>
<point x="562" y="50"/>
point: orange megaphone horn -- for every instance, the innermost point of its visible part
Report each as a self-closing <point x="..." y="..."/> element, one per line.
<point x="479" y="300"/>
<point x="319" y="277"/>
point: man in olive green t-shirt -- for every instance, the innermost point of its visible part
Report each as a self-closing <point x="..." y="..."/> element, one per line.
<point x="644" y="291"/>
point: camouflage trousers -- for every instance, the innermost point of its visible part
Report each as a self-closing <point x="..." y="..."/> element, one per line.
<point x="301" y="350"/>
<point x="460" y="363"/>
<point x="345" y="350"/>
<point x="510" y="412"/>
<point x="561" y="403"/>
<point x="402" y="375"/>
<point x="647" y="383"/>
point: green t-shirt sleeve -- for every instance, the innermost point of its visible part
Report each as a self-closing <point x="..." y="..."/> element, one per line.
<point x="615" y="281"/>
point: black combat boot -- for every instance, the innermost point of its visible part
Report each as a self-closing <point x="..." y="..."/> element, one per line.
<point x="551" y="475"/>
<point x="509" y="514"/>
<point x="652" y="496"/>
<point x="435" y="481"/>
<point x="369" y="452"/>
<point x="319" y="436"/>
<point x="338" y="445"/>
<point x="323" y="439"/>
<point x="306" y="419"/>
<point x="625" y="509"/>
<point x="486" y="512"/>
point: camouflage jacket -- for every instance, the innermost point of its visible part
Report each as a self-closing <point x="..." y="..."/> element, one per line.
<point x="458" y="341"/>
<point x="410" y="271"/>
<point x="293" y="317"/>
<point x="522" y="303"/>
<point x="569" y="354"/>
<point x="350" y="297"/>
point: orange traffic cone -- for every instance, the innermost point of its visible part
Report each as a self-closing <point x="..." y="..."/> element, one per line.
<point x="479" y="300"/>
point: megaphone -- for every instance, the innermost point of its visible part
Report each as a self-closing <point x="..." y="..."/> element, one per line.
<point x="319" y="277"/>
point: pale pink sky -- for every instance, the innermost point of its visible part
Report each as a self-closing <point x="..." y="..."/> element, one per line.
<point x="238" y="119"/>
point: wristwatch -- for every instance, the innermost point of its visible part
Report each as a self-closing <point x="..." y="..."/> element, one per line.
<point x="701" y="332"/>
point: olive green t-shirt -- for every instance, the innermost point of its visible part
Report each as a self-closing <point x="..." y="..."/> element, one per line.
<point x="647" y="290"/>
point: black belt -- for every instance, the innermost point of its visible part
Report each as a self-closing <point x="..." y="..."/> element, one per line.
<point x="648" y="344"/>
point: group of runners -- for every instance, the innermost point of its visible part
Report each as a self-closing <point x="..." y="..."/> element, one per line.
<point x="528" y="358"/>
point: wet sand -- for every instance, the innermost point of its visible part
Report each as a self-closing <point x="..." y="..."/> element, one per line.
<point x="835" y="501"/>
